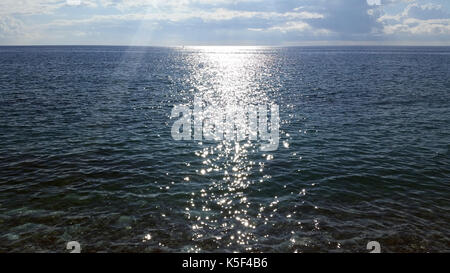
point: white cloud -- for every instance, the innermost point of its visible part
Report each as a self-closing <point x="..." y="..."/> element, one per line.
<point x="13" y="30"/>
<point x="296" y="26"/>
<point x="415" y="19"/>
<point x="414" y="26"/>
<point x="427" y="11"/>
<point x="10" y="26"/>
<point x="11" y="7"/>
<point x="125" y="5"/>
<point x="207" y="16"/>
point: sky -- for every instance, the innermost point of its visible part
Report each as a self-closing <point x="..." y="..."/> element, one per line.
<point x="224" y="22"/>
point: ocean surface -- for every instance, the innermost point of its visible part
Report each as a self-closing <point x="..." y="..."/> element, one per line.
<point x="87" y="155"/>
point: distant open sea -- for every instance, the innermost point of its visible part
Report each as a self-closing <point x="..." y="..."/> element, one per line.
<point x="86" y="152"/>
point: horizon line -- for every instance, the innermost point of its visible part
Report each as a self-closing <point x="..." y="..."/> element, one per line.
<point x="233" y="45"/>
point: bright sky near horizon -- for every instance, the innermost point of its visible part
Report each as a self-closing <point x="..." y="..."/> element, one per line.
<point x="224" y="22"/>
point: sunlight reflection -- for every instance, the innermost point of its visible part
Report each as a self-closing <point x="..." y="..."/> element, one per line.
<point x="228" y="79"/>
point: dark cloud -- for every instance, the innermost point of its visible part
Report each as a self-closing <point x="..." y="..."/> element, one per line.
<point x="348" y="17"/>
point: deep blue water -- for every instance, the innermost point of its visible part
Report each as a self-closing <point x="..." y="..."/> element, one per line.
<point x="86" y="151"/>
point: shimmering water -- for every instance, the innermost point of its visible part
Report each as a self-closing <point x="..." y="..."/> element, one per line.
<point x="86" y="151"/>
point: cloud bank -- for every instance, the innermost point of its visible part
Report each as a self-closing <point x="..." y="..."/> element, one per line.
<point x="216" y="22"/>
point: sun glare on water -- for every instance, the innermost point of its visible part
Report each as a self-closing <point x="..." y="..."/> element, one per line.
<point x="228" y="79"/>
